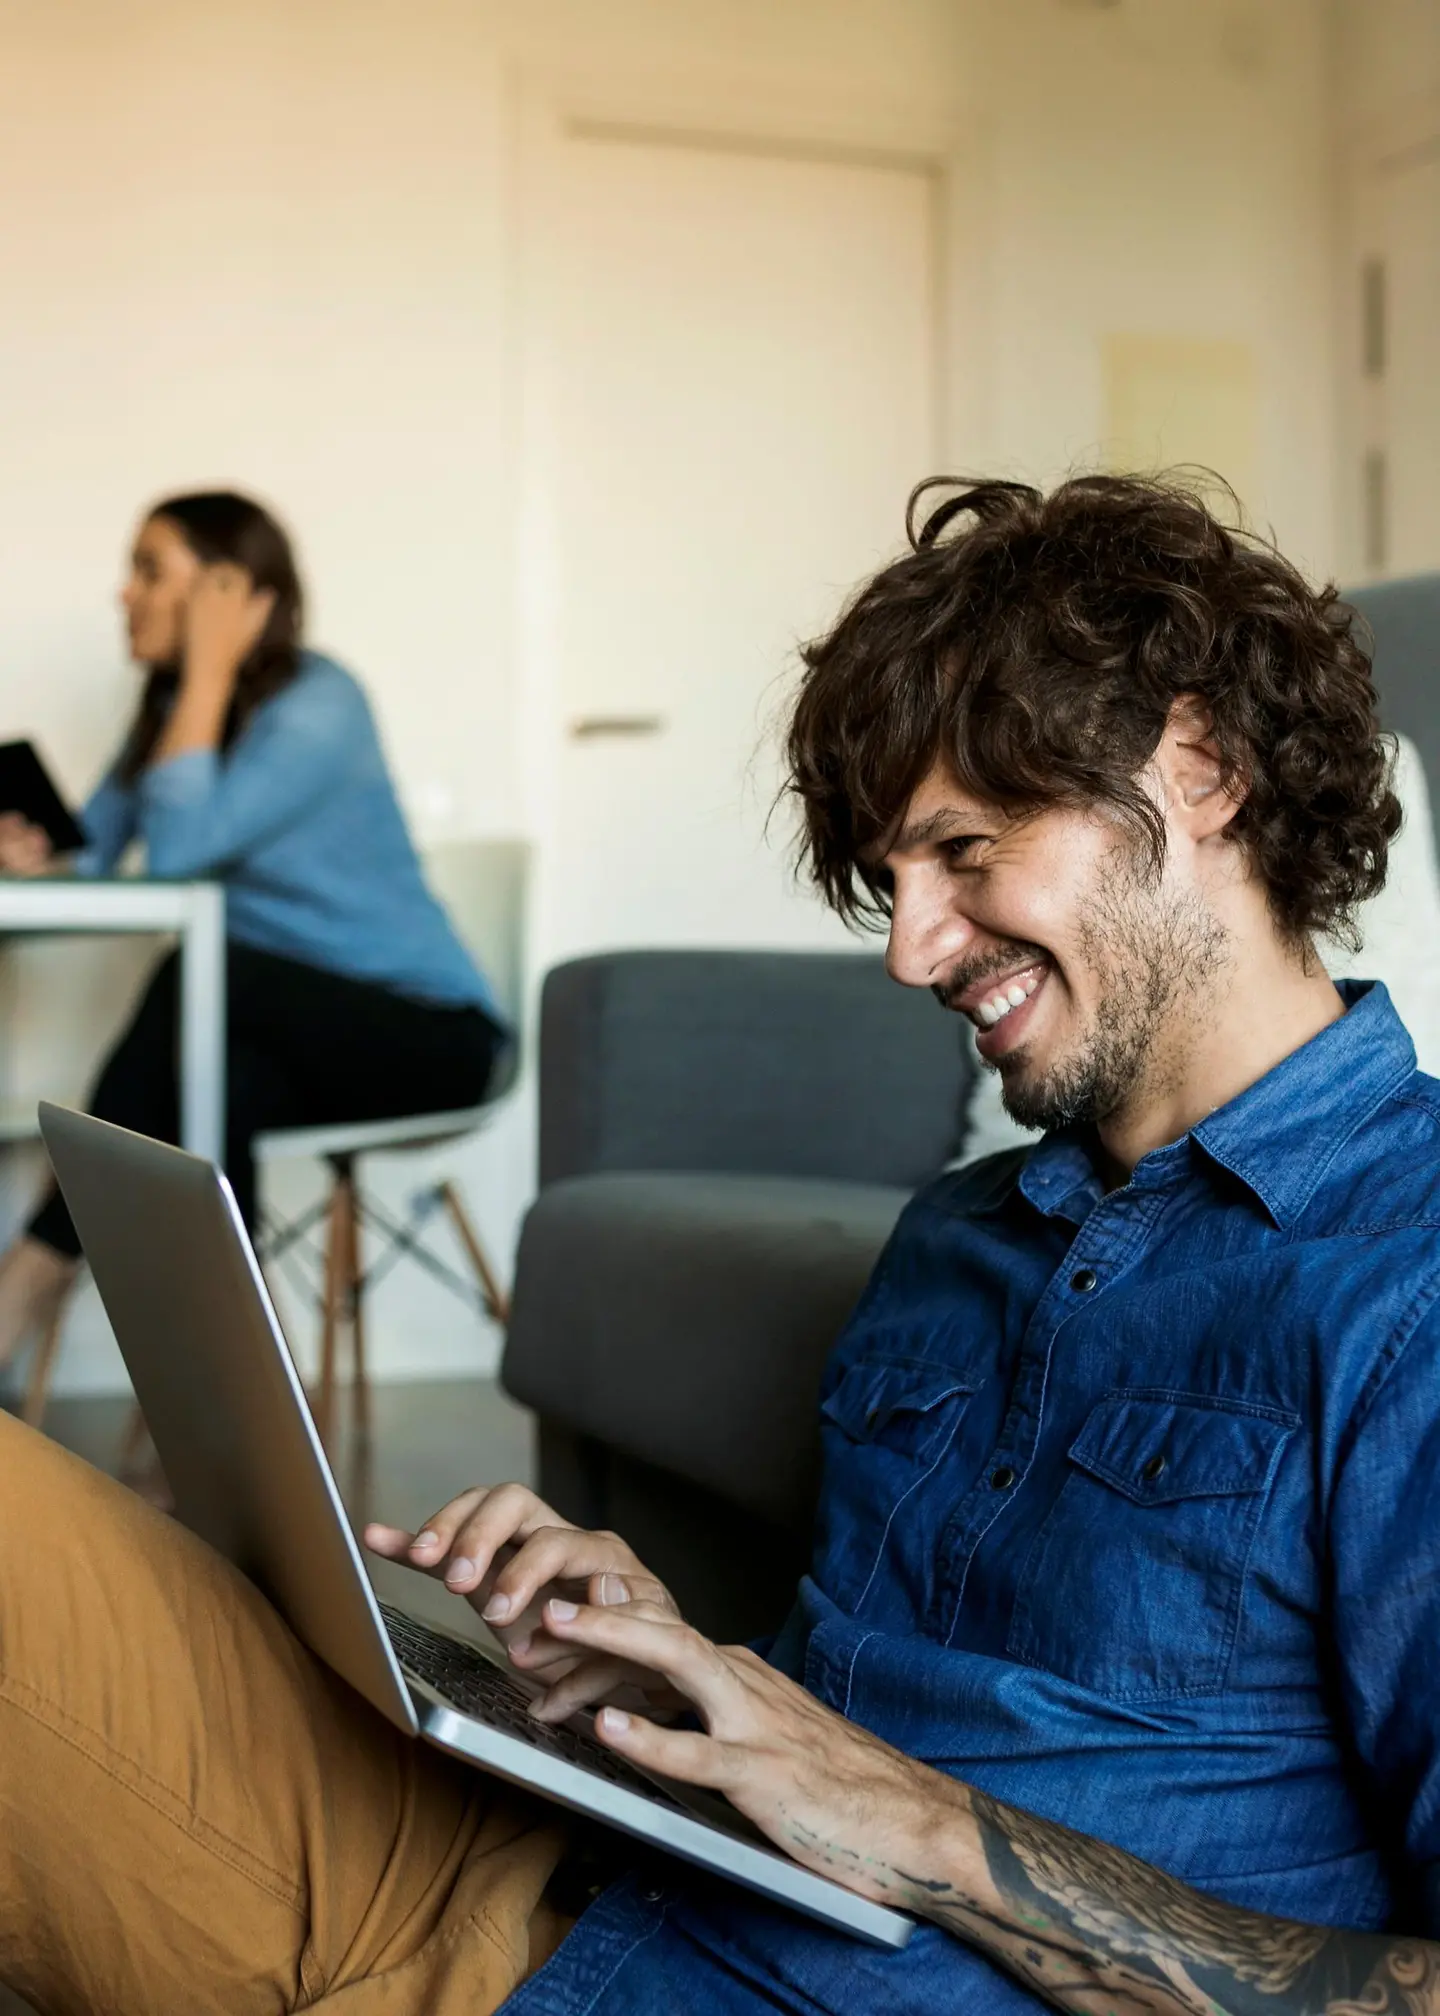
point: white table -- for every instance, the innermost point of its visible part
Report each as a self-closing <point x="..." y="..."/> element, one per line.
<point x="195" y="913"/>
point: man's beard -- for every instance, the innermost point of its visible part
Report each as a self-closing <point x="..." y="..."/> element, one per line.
<point x="1153" y="953"/>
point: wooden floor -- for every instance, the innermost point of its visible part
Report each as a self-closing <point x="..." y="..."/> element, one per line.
<point x="430" y="1440"/>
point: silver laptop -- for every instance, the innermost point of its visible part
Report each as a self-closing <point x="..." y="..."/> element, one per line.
<point x="225" y="1406"/>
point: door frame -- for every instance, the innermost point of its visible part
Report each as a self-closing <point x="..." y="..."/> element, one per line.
<point x="1367" y="154"/>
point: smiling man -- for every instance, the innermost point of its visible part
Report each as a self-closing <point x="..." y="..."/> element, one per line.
<point x="1116" y="1662"/>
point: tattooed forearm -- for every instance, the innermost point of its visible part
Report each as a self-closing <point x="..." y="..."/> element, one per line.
<point x="1093" y="1930"/>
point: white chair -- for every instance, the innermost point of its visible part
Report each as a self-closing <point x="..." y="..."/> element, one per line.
<point x="482" y="885"/>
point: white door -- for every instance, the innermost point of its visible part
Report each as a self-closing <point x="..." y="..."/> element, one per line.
<point x="730" y="391"/>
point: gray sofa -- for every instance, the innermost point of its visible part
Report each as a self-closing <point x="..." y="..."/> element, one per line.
<point x="726" y="1139"/>
<point x="1404" y="622"/>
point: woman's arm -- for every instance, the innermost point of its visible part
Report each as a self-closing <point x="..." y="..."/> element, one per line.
<point x="109" y="822"/>
<point x="199" y="815"/>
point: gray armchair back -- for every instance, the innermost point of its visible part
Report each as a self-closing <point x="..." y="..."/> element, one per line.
<point x="1404" y="620"/>
<point x="757" y="1063"/>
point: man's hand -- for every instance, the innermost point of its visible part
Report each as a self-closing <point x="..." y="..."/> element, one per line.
<point x="825" y="1790"/>
<point x="508" y="1554"/>
<point x="1082" y="1924"/>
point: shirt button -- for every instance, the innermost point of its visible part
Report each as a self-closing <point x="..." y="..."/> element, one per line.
<point x="1002" y="1479"/>
<point x="1154" y="1468"/>
<point x="1084" y="1280"/>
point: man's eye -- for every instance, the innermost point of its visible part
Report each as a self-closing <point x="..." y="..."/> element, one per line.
<point x="962" y="848"/>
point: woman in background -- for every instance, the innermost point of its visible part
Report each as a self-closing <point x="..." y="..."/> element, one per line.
<point x="255" y="761"/>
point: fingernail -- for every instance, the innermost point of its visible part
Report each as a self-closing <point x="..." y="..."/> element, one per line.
<point x="614" y="1721"/>
<point x="613" y="1590"/>
<point x="562" y="1611"/>
<point x="518" y="1647"/>
<point x="497" y="1608"/>
<point x="424" y="1540"/>
<point x="460" y="1570"/>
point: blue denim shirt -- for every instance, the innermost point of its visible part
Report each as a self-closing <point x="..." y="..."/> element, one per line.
<point x="1131" y="1516"/>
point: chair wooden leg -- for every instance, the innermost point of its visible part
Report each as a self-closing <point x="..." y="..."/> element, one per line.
<point x="360" y="1388"/>
<point x="496" y="1300"/>
<point x="37" y="1386"/>
<point x="337" y="1296"/>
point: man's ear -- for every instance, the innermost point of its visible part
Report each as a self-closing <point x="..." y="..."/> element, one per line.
<point x="1195" y="792"/>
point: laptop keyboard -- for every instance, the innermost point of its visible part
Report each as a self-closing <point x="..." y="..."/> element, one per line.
<point x="479" y="1688"/>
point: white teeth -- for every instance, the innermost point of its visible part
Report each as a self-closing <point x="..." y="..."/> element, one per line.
<point x="1000" y="1005"/>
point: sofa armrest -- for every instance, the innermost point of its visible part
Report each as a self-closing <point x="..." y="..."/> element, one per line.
<point x="684" y="1320"/>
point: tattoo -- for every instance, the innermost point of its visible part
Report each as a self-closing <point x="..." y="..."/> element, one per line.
<point x="1092" y="1929"/>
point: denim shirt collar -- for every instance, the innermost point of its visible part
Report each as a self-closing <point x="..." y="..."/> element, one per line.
<point x="1278" y="1136"/>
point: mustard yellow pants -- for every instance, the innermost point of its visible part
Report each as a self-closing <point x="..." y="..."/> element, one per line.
<point x="196" y="1816"/>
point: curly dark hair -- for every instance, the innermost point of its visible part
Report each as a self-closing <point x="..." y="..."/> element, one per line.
<point x="1038" y="646"/>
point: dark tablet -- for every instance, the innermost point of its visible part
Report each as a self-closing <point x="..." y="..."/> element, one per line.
<point x="25" y="787"/>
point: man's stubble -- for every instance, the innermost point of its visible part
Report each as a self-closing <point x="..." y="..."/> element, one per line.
<point x="1156" y="952"/>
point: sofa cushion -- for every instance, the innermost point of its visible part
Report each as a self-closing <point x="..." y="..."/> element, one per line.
<point x="684" y="1320"/>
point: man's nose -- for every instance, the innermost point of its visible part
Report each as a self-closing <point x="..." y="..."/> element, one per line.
<point x="927" y="936"/>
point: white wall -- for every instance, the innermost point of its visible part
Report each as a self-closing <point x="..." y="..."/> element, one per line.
<point x="277" y="246"/>
<point x="1162" y="169"/>
<point x="1387" y="56"/>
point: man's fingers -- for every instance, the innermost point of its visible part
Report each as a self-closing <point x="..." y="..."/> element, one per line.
<point x="675" y="1753"/>
<point x="562" y="1553"/>
<point x="543" y="1554"/>
<point x="537" y="1655"/>
<point x="480" y="1520"/>
<point x="506" y="1551"/>
<point x="586" y="1682"/>
<point x="427" y="1550"/>
<point x="391" y="1541"/>
<point x="432" y="1542"/>
<point x="506" y="1516"/>
<point x="644" y="1634"/>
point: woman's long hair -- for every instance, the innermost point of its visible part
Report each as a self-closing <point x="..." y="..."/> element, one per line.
<point x="220" y="525"/>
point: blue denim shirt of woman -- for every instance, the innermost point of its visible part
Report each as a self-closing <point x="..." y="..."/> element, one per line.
<point x="300" y="821"/>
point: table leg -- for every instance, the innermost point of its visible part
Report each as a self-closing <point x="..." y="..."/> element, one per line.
<point x="202" y="1025"/>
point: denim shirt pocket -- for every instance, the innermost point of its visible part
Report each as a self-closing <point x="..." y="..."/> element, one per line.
<point x="1134" y="1584"/>
<point x="884" y="1428"/>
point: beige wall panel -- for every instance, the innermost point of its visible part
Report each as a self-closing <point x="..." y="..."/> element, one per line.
<point x="1182" y="400"/>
